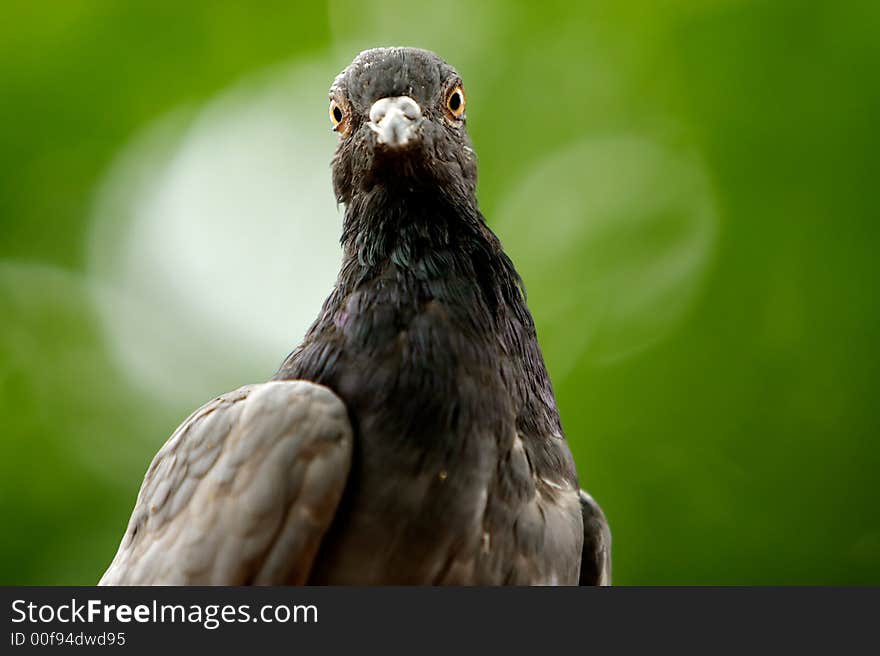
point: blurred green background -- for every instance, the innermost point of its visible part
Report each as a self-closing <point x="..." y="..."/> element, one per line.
<point x="685" y="187"/>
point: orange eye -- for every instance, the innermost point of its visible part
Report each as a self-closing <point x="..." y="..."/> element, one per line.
<point x="336" y="114"/>
<point x="455" y="102"/>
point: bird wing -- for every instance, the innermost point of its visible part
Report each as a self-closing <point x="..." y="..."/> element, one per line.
<point x="242" y="492"/>
<point x="596" y="555"/>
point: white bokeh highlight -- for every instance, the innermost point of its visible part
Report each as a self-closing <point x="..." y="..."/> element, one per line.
<point x="627" y="226"/>
<point x="216" y="236"/>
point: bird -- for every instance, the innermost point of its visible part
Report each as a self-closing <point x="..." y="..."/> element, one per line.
<point x="413" y="436"/>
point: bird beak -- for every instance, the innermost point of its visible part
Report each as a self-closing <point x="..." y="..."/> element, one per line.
<point x="395" y="120"/>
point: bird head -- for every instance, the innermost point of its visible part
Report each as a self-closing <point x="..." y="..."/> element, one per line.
<point x="400" y="117"/>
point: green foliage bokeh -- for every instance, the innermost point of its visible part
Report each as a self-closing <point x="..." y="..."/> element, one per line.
<point x="713" y="341"/>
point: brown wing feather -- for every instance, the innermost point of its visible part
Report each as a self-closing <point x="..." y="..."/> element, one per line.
<point x="596" y="556"/>
<point x="242" y="492"/>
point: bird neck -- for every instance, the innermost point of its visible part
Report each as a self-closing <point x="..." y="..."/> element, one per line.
<point x="424" y="274"/>
<point x="438" y="241"/>
<point x="382" y="222"/>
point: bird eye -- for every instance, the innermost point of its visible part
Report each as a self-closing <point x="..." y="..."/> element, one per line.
<point x="455" y="102"/>
<point x="336" y="114"/>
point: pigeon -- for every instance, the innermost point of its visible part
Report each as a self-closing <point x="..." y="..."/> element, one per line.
<point x="413" y="437"/>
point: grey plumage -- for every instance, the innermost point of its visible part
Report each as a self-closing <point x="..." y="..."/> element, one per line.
<point x="242" y="493"/>
<point x="596" y="552"/>
<point x="426" y="446"/>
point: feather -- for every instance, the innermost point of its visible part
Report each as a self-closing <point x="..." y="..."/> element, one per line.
<point x="241" y="493"/>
